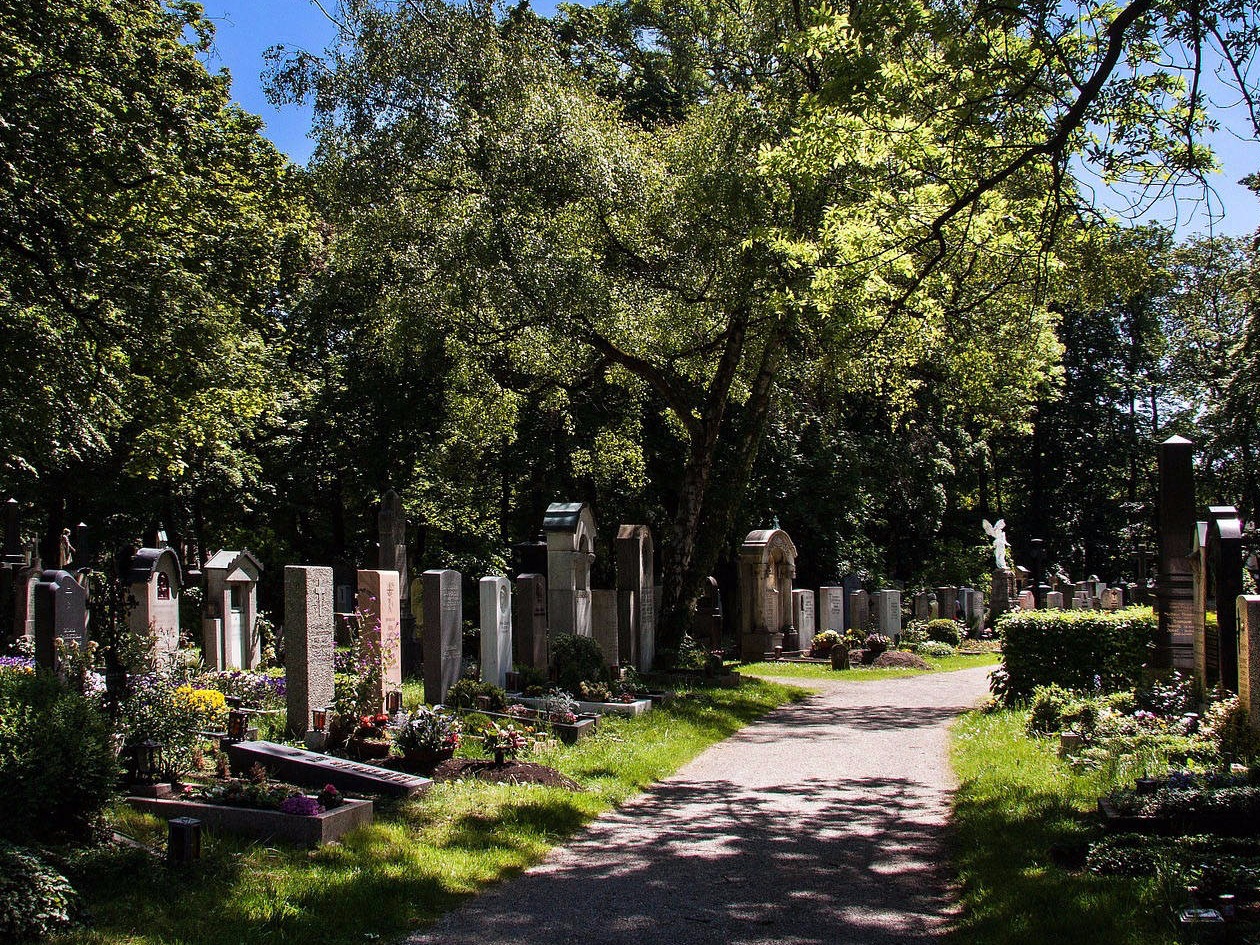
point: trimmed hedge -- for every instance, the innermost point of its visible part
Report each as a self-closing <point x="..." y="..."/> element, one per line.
<point x="1076" y="649"/>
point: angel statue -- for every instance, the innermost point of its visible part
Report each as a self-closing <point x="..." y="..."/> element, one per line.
<point x="998" y="533"/>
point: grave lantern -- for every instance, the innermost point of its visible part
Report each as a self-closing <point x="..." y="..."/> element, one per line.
<point x="393" y="702"/>
<point x="145" y="761"/>
<point x="319" y="719"/>
<point x="183" y="840"/>
<point x="237" y="725"/>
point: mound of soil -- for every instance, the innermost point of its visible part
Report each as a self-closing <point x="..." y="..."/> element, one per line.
<point x="511" y="772"/>
<point x="900" y="659"/>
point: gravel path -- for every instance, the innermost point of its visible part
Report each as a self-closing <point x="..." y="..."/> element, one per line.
<point x="821" y="823"/>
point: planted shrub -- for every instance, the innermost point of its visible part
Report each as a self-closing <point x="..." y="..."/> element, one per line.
<point x="57" y="762"/>
<point x="1082" y="650"/>
<point x="874" y="645"/>
<point x="35" y="899"/>
<point x="464" y="694"/>
<point x="577" y="660"/>
<point x="934" y="648"/>
<point x="1045" y="711"/>
<point x="944" y="631"/>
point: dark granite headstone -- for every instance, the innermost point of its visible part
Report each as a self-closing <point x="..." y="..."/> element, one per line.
<point x="311" y="769"/>
<point x="1225" y="556"/>
<point x="443" y="633"/>
<point x="1174" y="642"/>
<point x="60" y="605"/>
<point x="529" y="622"/>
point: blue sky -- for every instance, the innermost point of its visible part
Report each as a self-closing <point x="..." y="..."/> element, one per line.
<point x="246" y="28"/>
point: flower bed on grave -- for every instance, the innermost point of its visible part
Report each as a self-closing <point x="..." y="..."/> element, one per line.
<point x="568" y="732"/>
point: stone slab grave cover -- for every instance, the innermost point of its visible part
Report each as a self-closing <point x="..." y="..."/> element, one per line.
<point x="636" y="597"/>
<point x="60" y="610"/>
<point x="529" y="624"/>
<point x="496" y="630"/>
<point x="154" y="579"/>
<point x="380" y="636"/>
<point x="767" y="568"/>
<point x="803" y="618"/>
<point x="308" y="643"/>
<point x="570" y="531"/>
<point x="889" y="608"/>
<point x="831" y="609"/>
<point x="312" y="769"/>
<point x="1174" y="592"/>
<point x="443" y="633"/>
<point x="230" y="610"/>
<point x="264" y="824"/>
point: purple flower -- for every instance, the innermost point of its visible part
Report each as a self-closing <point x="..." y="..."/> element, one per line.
<point x="16" y="662"/>
<point x="300" y="805"/>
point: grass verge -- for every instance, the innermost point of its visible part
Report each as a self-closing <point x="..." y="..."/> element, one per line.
<point x="419" y="859"/>
<point x="820" y="671"/>
<point x="1018" y="813"/>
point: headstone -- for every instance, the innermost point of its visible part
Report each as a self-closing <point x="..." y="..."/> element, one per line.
<point x="230" y="611"/>
<point x="1054" y="600"/>
<point x="889" y="606"/>
<point x="1225" y="560"/>
<point x="380" y="636"/>
<point x="154" y="580"/>
<point x="570" y="530"/>
<point x="606" y="624"/>
<point x="346" y="584"/>
<point x="529" y="629"/>
<point x="710" y="614"/>
<point x="1112" y="598"/>
<point x="60" y="611"/>
<point x="308" y="643"/>
<point x="311" y="769"/>
<point x="859" y="610"/>
<point x="1247" y="616"/>
<point x="947" y="602"/>
<point x="496" y="630"/>
<point x="1174" y="643"/>
<point x="975" y="616"/>
<point x="443" y="633"/>
<point x="1027" y="600"/>
<point x="923" y="605"/>
<point x="767" y="568"/>
<point x="831" y="608"/>
<point x="24" y="583"/>
<point x="964" y="603"/>
<point x="1002" y="593"/>
<point x="636" y="600"/>
<point x="803" y="618"/>
<point x="391" y="523"/>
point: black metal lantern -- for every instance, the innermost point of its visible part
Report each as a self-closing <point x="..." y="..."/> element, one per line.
<point x="319" y="719"/>
<point x="146" y="757"/>
<point x="393" y="701"/>
<point x="237" y="725"/>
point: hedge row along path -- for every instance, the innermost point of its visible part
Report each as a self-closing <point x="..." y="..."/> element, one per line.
<point x="821" y="823"/>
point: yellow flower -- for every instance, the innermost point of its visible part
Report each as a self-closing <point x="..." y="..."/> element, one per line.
<point x="207" y="703"/>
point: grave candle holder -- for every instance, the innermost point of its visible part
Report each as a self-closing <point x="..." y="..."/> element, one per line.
<point x="145" y="762"/>
<point x="183" y="840"/>
<point x="319" y="719"/>
<point x="393" y="702"/>
<point x="237" y="725"/>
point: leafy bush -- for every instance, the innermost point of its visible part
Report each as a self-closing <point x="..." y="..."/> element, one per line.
<point x="913" y="635"/>
<point x="577" y="660"/>
<point x="1077" y="649"/>
<point x="1045" y="711"/>
<point x="533" y="681"/>
<point x="1172" y="695"/>
<point x="874" y="645"/>
<point x="426" y="729"/>
<point x="1226" y="725"/>
<point x="560" y="706"/>
<point x="944" y="631"/>
<point x="465" y="693"/>
<point x="596" y="692"/>
<point x="57" y="759"/>
<point x="935" y="649"/>
<point x="506" y="738"/>
<point x="35" y="899"/>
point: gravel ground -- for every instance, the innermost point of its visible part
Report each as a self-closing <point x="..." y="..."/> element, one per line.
<point x="821" y="823"/>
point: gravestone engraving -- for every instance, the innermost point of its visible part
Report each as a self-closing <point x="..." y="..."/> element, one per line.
<point x="496" y="630"/>
<point x="831" y="608"/>
<point x="804" y="618"/>
<point x="529" y="630"/>
<point x="311" y="769"/>
<point x="60" y="612"/>
<point x="443" y="633"/>
<point x="1054" y="600"/>
<point x="859" y="610"/>
<point x="606" y="624"/>
<point x="1112" y="598"/>
<point x="1247" y="618"/>
<point x="308" y="643"/>
<point x="380" y="636"/>
<point x="889" y="603"/>
<point x="1174" y="642"/>
<point x="1027" y="600"/>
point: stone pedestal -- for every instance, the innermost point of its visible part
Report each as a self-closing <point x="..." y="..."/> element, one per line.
<point x="308" y="643"/>
<point x="1002" y="595"/>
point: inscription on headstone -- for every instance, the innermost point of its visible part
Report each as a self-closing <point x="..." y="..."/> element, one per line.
<point x="308" y="643"/>
<point x="443" y="633"/>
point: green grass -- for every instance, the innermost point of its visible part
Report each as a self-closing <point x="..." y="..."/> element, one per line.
<point x="419" y="859"/>
<point x="1017" y="802"/>
<point x="823" y="671"/>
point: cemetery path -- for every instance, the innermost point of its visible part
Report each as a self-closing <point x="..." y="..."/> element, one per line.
<point x="821" y="823"/>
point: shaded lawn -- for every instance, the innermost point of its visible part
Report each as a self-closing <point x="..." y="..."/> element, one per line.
<point x="1020" y="813"/>
<point x="419" y="859"/>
